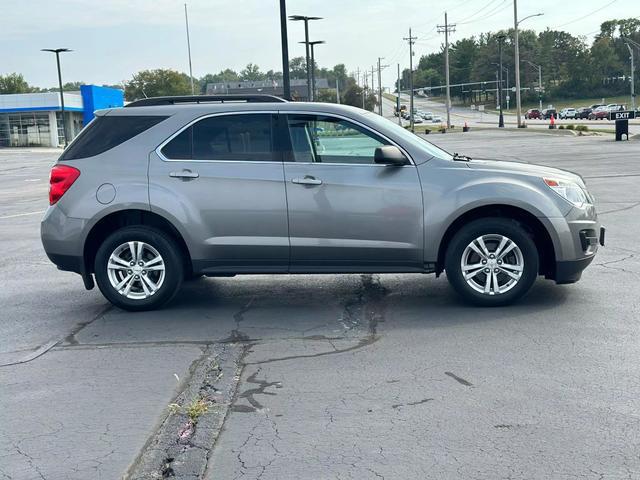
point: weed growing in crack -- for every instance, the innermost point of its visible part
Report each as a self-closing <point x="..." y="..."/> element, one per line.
<point x="194" y="410"/>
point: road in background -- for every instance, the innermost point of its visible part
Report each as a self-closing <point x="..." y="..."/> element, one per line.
<point x="460" y="115"/>
<point x="361" y="376"/>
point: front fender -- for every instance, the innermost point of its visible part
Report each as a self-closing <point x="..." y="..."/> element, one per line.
<point x="459" y="191"/>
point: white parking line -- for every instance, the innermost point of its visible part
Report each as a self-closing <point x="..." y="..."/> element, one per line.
<point x="22" y="214"/>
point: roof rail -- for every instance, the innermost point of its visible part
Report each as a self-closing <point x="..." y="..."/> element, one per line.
<point x="155" y="101"/>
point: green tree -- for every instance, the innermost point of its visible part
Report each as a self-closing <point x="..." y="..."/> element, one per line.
<point x="252" y="73"/>
<point x="14" y="83"/>
<point x="155" y="83"/>
<point x="298" y="68"/>
<point x="353" y="96"/>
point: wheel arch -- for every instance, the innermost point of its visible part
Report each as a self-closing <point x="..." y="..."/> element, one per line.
<point x="125" y="218"/>
<point x="532" y="224"/>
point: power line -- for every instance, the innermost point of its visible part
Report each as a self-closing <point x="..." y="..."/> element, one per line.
<point x="479" y="11"/>
<point x="498" y="8"/>
<point x="587" y="15"/>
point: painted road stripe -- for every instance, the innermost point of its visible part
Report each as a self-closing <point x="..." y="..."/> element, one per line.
<point x="22" y="214"/>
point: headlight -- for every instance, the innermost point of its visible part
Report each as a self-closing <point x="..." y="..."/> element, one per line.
<point x="570" y="191"/>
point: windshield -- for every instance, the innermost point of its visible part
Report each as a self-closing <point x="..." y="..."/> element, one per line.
<point x="411" y="138"/>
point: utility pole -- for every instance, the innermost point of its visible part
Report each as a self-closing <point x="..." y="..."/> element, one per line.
<point x="447" y="29"/>
<point x="517" y="63"/>
<point x="633" y="78"/>
<point x="186" y="21"/>
<point x="398" y="98"/>
<point x="364" y="87"/>
<point x="501" y="118"/>
<point x="539" y="68"/>
<point x="286" y="82"/>
<point x="372" y="82"/>
<point x="411" y="41"/>
<point x="380" y="67"/>
<point x="337" y="90"/>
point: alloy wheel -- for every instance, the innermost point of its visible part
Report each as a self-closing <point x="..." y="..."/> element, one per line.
<point x="492" y="264"/>
<point x="136" y="270"/>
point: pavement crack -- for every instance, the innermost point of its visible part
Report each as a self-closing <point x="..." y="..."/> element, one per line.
<point x="238" y="336"/>
<point x="458" y="379"/>
<point x="250" y="394"/>
<point x="411" y="404"/>
<point x="368" y="305"/>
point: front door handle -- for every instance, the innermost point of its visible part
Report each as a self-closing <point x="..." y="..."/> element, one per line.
<point x="184" y="174"/>
<point x="307" y="180"/>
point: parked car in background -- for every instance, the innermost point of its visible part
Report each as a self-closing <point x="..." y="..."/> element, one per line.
<point x="599" y="113"/>
<point x="614" y="107"/>
<point x="596" y="105"/>
<point x="220" y="189"/>
<point x="547" y="112"/>
<point x="567" y="113"/>
<point x="583" y="112"/>
<point x="427" y="115"/>
<point x="436" y="119"/>
<point x="532" y="113"/>
<point x="417" y="119"/>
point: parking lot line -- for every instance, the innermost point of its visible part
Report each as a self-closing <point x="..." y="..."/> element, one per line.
<point x="21" y="214"/>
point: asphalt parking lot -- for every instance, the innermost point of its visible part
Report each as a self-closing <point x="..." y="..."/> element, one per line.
<point x="331" y="376"/>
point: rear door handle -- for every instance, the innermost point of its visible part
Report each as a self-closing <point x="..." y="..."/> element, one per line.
<point x="184" y="174"/>
<point x="308" y="180"/>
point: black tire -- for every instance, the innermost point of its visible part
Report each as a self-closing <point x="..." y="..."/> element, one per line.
<point x="165" y="245"/>
<point x="489" y="226"/>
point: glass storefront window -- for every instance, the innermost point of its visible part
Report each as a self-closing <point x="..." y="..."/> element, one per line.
<point x="24" y="129"/>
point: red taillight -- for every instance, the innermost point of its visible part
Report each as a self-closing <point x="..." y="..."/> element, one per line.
<point x="60" y="179"/>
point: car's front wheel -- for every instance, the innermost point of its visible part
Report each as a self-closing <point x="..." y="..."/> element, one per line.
<point x="492" y="261"/>
<point x="139" y="268"/>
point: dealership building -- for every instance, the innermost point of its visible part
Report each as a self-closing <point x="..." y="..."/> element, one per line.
<point x="35" y="119"/>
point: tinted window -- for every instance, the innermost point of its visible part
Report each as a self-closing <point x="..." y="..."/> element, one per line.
<point x="229" y="137"/>
<point x="316" y="138"/>
<point x="104" y="133"/>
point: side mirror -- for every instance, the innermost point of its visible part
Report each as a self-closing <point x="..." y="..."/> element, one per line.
<point x="389" y="155"/>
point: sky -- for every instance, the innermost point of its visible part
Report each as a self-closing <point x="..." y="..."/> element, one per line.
<point x="113" y="39"/>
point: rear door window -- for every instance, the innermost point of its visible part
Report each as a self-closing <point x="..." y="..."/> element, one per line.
<point x="240" y="137"/>
<point x="107" y="132"/>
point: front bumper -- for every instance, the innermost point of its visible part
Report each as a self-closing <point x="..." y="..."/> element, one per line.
<point x="571" y="271"/>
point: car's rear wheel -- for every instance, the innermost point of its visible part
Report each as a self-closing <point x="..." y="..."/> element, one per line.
<point x="492" y="261"/>
<point x="139" y="268"/>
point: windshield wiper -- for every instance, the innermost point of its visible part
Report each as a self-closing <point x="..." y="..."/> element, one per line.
<point x="461" y="158"/>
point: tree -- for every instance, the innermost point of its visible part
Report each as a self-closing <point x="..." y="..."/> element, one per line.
<point x="298" y="67"/>
<point x="252" y="73"/>
<point x="353" y="96"/>
<point x="156" y="83"/>
<point x="224" y="76"/>
<point x="14" y="83"/>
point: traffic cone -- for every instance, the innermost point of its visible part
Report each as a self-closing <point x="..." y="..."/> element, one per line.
<point x="466" y="127"/>
<point x="552" y="123"/>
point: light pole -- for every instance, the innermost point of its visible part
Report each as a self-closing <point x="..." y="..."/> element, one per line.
<point x="186" y="22"/>
<point x="517" y="22"/>
<point x="539" y="68"/>
<point x="58" y="51"/>
<point x="305" y="19"/>
<point x="313" y="66"/>
<point x="286" y="81"/>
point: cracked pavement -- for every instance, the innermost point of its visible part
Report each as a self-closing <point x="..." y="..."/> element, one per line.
<point x="340" y="376"/>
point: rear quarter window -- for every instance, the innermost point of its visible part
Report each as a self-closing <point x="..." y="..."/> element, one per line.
<point x="104" y="133"/>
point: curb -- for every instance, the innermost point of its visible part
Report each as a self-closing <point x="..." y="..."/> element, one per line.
<point x="180" y="448"/>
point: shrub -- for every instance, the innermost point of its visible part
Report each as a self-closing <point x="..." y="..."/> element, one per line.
<point x="560" y="127"/>
<point x="570" y="126"/>
<point x="581" y="128"/>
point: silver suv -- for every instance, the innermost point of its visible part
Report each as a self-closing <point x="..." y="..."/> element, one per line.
<point x="173" y="188"/>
